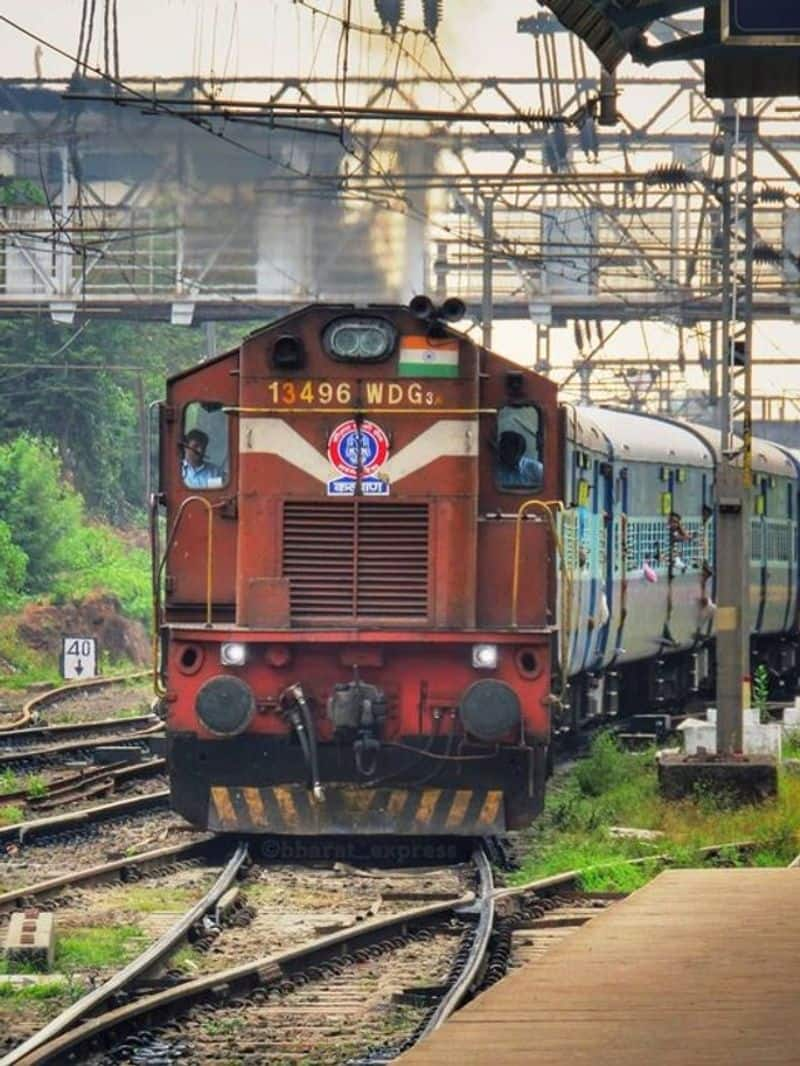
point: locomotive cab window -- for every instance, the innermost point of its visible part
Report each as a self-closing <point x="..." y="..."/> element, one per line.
<point x="518" y="449"/>
<point x="204" y="458"/>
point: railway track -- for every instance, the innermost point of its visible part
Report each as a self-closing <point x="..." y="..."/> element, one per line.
<point x="367" y="988"/>
<point x="32" y="709"/>
<point x="46" y="767"/>
<point x="20" y="751"/>
<point x="45" y="830"/>
<point x="353" y="993"/>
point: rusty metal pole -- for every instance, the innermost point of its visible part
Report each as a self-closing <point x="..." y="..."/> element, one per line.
<point x="487" y="302"/>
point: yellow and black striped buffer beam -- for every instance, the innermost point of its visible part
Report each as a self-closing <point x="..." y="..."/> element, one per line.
<point x="292" y="809"/>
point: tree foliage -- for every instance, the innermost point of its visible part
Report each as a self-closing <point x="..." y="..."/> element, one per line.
<point x="73" y="441"/>
<point x="65" y="385"/>
<point x="36" y="506"/>
<point x="47" y="544"/>
<point x="13" y="567"/>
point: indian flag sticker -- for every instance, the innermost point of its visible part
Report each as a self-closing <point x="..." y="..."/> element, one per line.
<point x="424" y="358"/>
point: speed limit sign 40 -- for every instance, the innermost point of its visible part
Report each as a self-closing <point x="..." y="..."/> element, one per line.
<point x="78" y="658"/>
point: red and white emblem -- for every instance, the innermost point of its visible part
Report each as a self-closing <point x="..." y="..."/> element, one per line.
<point x="355" y="448"/>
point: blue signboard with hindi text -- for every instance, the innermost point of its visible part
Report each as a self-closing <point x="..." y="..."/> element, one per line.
<point x="767" y="22"/>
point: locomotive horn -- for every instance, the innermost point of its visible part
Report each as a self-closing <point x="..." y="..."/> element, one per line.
<point x="452" y="309"/>
<point x="421" y="307"/>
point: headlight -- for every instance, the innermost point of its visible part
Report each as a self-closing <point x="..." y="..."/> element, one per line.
<point x="484" y="656"/>
<point x="359" y="339"/>
<point x="233" y="654"/>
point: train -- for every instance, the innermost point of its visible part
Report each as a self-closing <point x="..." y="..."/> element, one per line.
<point x="390" y="567"/>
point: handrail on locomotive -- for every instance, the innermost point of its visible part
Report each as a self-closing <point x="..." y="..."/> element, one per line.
<point x="158" y="572"/>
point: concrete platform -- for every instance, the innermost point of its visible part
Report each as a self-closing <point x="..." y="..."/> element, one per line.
<point x="697" y="968"/>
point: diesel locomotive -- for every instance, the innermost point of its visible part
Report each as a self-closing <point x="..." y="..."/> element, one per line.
<point x="359" y="587"/>
<point x="393" y="567"/>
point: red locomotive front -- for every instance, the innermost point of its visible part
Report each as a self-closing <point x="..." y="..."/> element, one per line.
<point x="358" y="591"/>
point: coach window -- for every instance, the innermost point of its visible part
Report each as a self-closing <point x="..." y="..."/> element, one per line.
<point x="518" y="449"/>
<point x="204" y="458"/>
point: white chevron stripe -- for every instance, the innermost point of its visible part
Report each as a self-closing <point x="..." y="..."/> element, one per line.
<point x="447" y="437"/>
<point x="274" y="436"/>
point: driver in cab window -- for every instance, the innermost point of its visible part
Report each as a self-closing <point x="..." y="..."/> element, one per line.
<point x="197" y="472"/>
<point x="517" y="470"/>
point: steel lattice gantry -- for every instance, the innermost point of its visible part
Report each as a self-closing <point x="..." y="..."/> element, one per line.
<point x="108" y="209"/>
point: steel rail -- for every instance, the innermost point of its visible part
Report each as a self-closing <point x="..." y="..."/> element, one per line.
<point x="65" y="789"/>
<point x="265" y="970"/>
<point x="55" y="694"/>
<point x="23" y="831"/>
<point x="107" y="870"/>
<point x="149" y="958"/>
<point x="137" y="723"/>
<point x="455" y="995"/>
<point x="8" y="758"/>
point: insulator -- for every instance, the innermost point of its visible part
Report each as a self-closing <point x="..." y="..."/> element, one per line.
<point x="765" y="253"/>
<point x="390" y="12"/>
<point x="669" y="176"/>
<point x="576" y="326"/>
<point x="587" y="136"/>
<point x="556" y="149"/>
<point x="774" y="195"/>
<point x="432" y="10"/>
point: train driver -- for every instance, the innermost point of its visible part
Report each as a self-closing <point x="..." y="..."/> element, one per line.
<point x="518" y="469"/>
<point x="196" y="470"/>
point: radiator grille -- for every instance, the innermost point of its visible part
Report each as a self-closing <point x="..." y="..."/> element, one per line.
<point x="356" y="560"/>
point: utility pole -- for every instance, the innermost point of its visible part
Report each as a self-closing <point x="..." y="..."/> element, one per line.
<point x="735" y="474"/>
<point x="487" y="301"/>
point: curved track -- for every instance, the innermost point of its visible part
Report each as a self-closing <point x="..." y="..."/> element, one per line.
<point x="148" y="959"/>
<point x="44" y="699"/>
<point x="289" y="968"/>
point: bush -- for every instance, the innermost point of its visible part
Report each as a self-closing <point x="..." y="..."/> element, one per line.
<point x="606" y="767"/>
<point x="46" y="543"/>
<point x="13" y="568"/>
<point x="100" y="560"/>
<point x="39" y="510"/>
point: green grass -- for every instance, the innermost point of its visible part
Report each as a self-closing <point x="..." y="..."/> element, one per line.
<point x="148" y="899"/>
<point x="10" y="815"/>
<point x="95" y="948"/>
<point x="616" y="788"/>
<point x="34" y="784"/>
<point x="9" y="782"/>
<point x="224" y="1026"/>
<point x="59" y="986"/>
<point x="186" y="959"/>
<point x="791" y="745"/>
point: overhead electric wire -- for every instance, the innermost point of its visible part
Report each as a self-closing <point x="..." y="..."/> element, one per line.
<point x="407" y="208"/>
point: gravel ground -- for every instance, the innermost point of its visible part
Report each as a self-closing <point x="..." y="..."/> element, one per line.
<point x="107" y="841"/>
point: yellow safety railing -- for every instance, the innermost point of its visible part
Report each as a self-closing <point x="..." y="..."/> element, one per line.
<point x="159" y="688"/>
